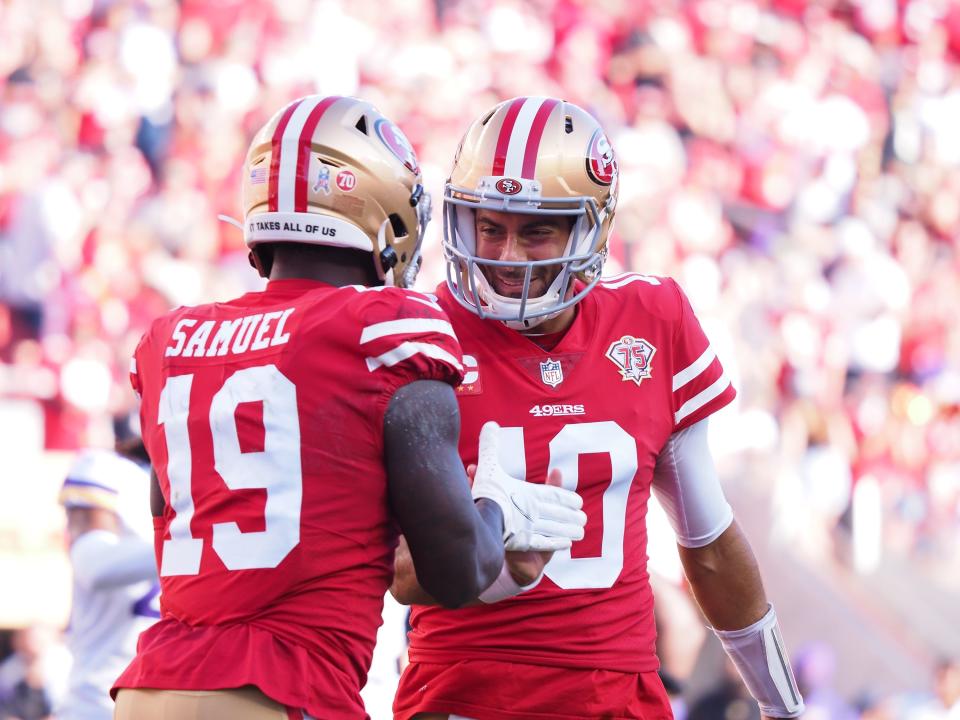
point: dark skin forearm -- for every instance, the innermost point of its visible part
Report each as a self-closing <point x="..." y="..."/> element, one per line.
<point x="725" y="580"/>
<point x="456" y="544"/>
<point x="406" y="584"/>
<point x="524" y="566"/>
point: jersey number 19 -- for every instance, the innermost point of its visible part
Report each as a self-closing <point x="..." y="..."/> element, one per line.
<point x="275" y="469"/>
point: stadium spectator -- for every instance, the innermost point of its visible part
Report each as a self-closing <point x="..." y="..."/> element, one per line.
<point x="794" y="164"/>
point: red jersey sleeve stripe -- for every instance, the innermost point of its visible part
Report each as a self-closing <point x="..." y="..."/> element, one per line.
<point x="617" y="281"/>
<point x="412" y="295"/>
<point x="408" y="350"/>
<point x="694" y="369"/>
<point x="426" y="301"/>
<point x="702" y="398"/>
<point x="406" y="326"/>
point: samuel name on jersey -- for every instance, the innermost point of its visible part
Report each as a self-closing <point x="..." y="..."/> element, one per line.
<point x="211" y="338"/>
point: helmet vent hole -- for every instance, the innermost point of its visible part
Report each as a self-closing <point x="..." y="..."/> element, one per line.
<point x="398" y="226"/>
<point x="259" y="160"/>
<point x="488" y="116"/>
<point x="362" y="124"/>
<point x="403" y="257"/>
<point x="568" y="124"/>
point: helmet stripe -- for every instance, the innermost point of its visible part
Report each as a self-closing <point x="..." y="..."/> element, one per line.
<point x="503" y="140"/>
<point x="290" y="145"/>
<point x="518" y="138"/>
<point x="275" y="154"/>
<point x="303" y="159"/>
<point x="536" y="133"/>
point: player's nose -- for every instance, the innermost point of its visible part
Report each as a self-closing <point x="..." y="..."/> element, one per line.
<point x="510" y="250"/>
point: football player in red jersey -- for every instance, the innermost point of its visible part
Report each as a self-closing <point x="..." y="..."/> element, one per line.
<point x="294" y="431"/>
<point x="610" y="381"/>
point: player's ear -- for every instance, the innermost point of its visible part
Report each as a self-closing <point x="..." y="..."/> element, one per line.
<point x="255" y="263"/>
<point x="261" y="258"/>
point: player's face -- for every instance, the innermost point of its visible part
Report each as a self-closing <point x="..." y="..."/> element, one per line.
<point x="82" y="520"/>
<point x="519" y="237"/>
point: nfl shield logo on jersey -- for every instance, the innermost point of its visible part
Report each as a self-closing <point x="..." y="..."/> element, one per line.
<point x="551" y="372"/>
<point x="632" y="356"/>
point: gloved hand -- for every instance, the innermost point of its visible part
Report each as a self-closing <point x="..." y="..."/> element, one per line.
<point x="535" y="517"/>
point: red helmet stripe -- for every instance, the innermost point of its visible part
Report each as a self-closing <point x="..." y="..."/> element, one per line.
<point x="533" y="139"/>
<point x="303" y="158"/>
<point x="503" y="140"/>
<point x="275" y="153"/>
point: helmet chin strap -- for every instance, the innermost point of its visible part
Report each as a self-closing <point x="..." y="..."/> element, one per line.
<point x="231" y="221"/>
<point x="530" y="324"/>
<point x="498" y="303"/>
<point x="384" y="257"/>
<point x="409" y="274"/>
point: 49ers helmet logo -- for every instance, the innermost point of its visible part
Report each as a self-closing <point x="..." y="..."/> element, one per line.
<point x="508" y="186"/>
<point x="393" y="137"/>
<point x="601" y="163"/>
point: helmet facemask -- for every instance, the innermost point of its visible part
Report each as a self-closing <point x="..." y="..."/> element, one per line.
<point x="582" y="259"/>
<point x="532" y="156"/>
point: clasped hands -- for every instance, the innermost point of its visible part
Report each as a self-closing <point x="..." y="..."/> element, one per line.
<point x="538" y="519"/>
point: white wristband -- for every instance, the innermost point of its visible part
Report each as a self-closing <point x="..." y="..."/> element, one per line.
<point x="506" y="587"/>
<point x="762" y="662"/>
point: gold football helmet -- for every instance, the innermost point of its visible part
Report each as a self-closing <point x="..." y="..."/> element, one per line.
<point x="335" y="171"/>
<point x="530" y="155"/>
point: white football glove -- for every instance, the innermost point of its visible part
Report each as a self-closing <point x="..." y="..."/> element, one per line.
<point x="536" y="517"/>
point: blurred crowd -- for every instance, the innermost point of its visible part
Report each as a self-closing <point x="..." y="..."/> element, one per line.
<point x="795" y="165"/>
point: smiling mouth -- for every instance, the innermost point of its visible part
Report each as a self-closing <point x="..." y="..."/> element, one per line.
<point x="512" y="286"/>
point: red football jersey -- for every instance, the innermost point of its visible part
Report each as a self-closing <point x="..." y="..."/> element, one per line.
<point x="634" y="367"/>
<point x="264" y="421"/>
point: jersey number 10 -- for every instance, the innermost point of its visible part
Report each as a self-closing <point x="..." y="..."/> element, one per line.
<point x="574" y="440"/>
